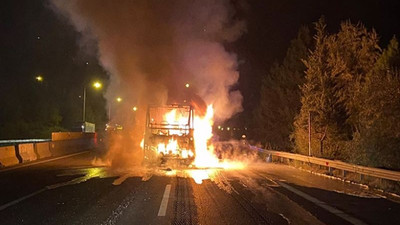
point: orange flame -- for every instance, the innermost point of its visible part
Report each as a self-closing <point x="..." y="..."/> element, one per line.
<point x="175" y="118"/>
<point x="205" y="163"/>
<point x="170" y="148"/>
<point x="205" y="157"/>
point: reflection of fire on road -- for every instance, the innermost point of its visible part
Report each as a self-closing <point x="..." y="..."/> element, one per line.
<point x="175" y="132"/>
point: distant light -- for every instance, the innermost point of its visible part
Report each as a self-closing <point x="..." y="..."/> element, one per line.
<point x="243" y="136"/>
<point x="38" y="37"/>
<point x="87" y="63"/>
<point x="97" y="85"/>
<point x="187" y="85"/>
<point x="39" y="78"/>
<point x="222" y="128"/>
<point x="228" y="128"/>
<point x="119" y="99"/>
<point x="134" y="108"/>
<point x="219" y="127"/>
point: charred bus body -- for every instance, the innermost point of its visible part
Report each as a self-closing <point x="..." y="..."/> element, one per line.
<point x="169" y="134"/>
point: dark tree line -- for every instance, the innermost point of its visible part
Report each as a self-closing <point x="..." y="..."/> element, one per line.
<point x="32" y="109"/>
<point x="280" y="95"/>
<point x="349" y="89"/>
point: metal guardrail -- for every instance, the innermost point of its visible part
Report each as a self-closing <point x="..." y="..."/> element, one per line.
<point x="21" y="141"/>
<point x="368" y="171"/>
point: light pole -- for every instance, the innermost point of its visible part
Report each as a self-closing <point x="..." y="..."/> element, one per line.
<point x="96" y="85"/>
<point x="309" y="133"/>
<point x="84" y="105"/>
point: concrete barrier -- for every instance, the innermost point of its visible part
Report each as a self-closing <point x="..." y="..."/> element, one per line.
<point x="43" y="150"/>
<point x="61" y="136"/>
<point x="57" y="148"/>
<point x="8" y="156"/>
<point x="27" y="152"/>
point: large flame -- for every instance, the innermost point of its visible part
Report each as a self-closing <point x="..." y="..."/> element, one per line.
<point x="205" y="156"/>
<point x="176" y="119"/>
<point x="206" y="163"/>
<point x="205" y="159"/>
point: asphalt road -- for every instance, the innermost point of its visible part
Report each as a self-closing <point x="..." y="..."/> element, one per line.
<point x="73" y="191"/>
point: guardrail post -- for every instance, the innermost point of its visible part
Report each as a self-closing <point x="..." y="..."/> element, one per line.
<point x="344" y="173"/>
<point x="268" y="158"/>
<point x="17" y="153"/>
<point x="35" y="150"/>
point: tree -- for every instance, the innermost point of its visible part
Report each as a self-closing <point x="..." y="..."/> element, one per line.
<point x="280" y="95"/>
<point x="318" y="99"/>
<point x="378" y="139"/>
<point x="336" y="70"/>
<point x="359" y="49"/>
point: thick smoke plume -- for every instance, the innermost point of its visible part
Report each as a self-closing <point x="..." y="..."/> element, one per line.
<point x="152" y="48"/>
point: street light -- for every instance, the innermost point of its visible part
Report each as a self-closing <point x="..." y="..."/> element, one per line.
<point x="118" y="99"/>
<point x="39" y="78"/>
<point x="96" y="85"/>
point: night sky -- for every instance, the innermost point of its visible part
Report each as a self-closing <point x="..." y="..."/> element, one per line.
<point x="34" y="40"/>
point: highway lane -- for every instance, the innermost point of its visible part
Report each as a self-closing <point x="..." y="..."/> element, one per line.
<point x="76" y="192"/>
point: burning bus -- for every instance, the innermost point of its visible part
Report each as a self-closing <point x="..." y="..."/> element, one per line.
<point x="169" y="134"/>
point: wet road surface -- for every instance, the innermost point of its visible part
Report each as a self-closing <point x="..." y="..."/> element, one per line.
<point x="73" y="191"/>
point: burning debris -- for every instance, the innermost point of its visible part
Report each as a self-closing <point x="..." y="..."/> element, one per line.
<point x="169" y="134"/>
<point x="175" y="132"/>
<point x="176" y="136"/>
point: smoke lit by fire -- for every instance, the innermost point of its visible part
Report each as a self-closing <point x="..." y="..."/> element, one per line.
<point x="151" y="49"/>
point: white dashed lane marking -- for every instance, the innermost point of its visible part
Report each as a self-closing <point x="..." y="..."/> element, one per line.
<point x="164" y="201"/>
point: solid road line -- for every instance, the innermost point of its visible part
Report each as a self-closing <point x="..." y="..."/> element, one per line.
<point x="2" y="207"/>
<point x="164" y="201"/>
<point x="323" y="205"/>
<point x="42" y="161"/>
